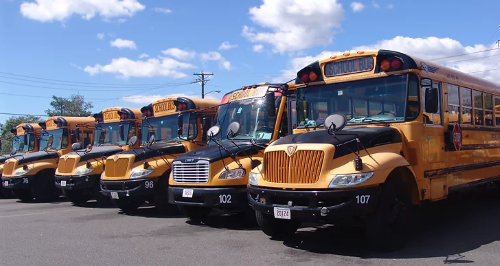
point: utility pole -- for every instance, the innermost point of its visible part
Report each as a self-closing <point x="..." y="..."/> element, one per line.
<point x="203" y="81"/>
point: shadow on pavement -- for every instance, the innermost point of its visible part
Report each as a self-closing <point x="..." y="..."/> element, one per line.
<point x="463" y="222"/>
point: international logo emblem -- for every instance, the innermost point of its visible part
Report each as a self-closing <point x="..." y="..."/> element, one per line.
<point x="115" y="158"/>
<point x="66" y="157"/>
<point x="290" y="149"/>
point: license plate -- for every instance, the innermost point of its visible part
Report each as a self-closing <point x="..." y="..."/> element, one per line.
<point x="187" y="193"/>
<point x="114" y="195"/>
<point x="282" y="213"/>
<point x="63" y="183"/>
<point x="6" y="183"/>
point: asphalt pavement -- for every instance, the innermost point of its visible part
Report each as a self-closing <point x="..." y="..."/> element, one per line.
<point x="463" y="229"/>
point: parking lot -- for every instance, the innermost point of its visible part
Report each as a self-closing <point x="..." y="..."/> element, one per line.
<point x="461" y="230"/>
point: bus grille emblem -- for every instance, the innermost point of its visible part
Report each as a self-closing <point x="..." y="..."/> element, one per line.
<point x="115" y="158"/>
<point x="290" y="149"/>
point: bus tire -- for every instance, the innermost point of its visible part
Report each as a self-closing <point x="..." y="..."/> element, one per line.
<point x="43" y="187"/>
<point x="195" y="213"/>
<point x="6" y="193"/>
<point x="247" y="217"/>
<point x="387" y="227"/>
<point x="276" y="228"/>
<point x="128" y="205"/>
<point x="160" y="197"/>
<point x="22" y="194"/>
<point x="77" y="197"/>
<point x="100" y="198"/>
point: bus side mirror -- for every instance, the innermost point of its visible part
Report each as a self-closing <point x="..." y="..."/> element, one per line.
<point x="180" y="123"/>
<point x="76" y="146"/>
<point x="270" y="102"/>
<point x="132" y="141"/>
<point x="431" y="100"/>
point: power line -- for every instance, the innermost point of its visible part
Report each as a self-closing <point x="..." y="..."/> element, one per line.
<point x="20" y="114"/>
<point x="476" y="52"/>
<point x="76" y="82"/>
<point x="64" y="89"/>
<point x="202" y="81"/>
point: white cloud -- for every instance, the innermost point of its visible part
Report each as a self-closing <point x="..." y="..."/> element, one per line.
<point x="121" y="43"/>
<point x="258" y="48"/>
<point x="215" y="56"/>
<point x="144" y="99"/>
<point x="179" y="54"/>
<point x="60" y="10"/>
<point x="227" y="46"/>
<point x="141" y="56"/>
<point x="141" y="68"/>
<point x="375" y="4"/>
<point x="100" y="36"/>
<point x="471" y="60"/>
<point x="162" y="10"/>
<point x="390" y="6"/>
<point x="357" y="6"/>
<point x="294" y="24"/>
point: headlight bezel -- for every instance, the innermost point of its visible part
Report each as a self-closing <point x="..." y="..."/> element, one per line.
<point x="228" y="175"/>
<point x="253" y="179"/>
<point x="349" y="180"/>
<point x="138" y="173"/>
<point x="83" y="171"/>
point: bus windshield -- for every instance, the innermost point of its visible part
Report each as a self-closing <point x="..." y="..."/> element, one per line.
<point x="253" y="118"/>
<point x="108" y="134"/>
<point x="18" y="143"/>
<point x="164" y="128"/>
<point x="55" y="139"/>
<point x="362" y="101"/>
<point x="30" y="137"/>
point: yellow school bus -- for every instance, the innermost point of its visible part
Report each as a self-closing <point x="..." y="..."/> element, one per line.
<point x="379" y="132"/>
<point x="32" y="175"/>
<point x="25" y="140"/>
<point x="78" y="173"/>
<point x="215" y="176"/>
<point x="171" y="126"/>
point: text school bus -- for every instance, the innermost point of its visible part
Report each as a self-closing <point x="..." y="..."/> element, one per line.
<point x="414" y="131"/>
<point x="216" y="176"/>
<point x="25" y="140"/>
<point x="32" y="175"/>
<point x="78" y="173"/>
<point x="171" y="126"/>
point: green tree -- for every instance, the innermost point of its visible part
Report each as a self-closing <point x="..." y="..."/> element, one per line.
<point x="73" y="106"/>
<point x="12" y="122"/>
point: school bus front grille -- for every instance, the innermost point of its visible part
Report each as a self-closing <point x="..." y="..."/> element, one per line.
<point x="66" y="166"/>
<point x="116" y="169"/>
<point x="8" y="168"/>
<point x="196" y="172"/>
<point x="303" y="167"/>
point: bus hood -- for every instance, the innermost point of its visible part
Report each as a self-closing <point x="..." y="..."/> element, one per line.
<point x="368" y="136"/>
<point x="36" y="156"/>
<point x="96" y="152"/>
<point x="214" y="153"/>
<point x="155" y="150"/>
<point x="4" y="158"/>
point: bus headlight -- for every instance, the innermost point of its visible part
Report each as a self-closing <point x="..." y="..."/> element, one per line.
<point x="252" y="179"/>
<point x="21" y="172"/>
<point x="137" y="173"/>
<point x="83" y="171"/>
<point x="348" y="180"/>
<point x="233" y="174"/>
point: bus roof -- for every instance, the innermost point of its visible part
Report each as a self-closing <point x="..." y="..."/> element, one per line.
<point x="116" y="114"/>
<point x="65" y="121"/>
<point x="171" y="105"/>
<point x="26" y="128"/>
<point x="427" y="68"/>
<point x="253" y="91"/>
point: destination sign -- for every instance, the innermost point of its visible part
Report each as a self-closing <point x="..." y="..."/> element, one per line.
<point x="356" y="65"/>
<point x="249" y="93"/>
<point x="111" y="115"/>
<point x="164" y="107"/>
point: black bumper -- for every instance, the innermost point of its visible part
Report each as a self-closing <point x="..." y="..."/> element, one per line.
<point x="129" y="188"/>
<point x="76" y="182"/>
<point x="321" y="205"/>
<point x="215" y="197"/>
<point x="17" y="182"/>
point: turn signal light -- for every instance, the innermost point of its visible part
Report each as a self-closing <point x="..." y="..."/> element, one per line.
<point x="394" y="64"/>
<point x="313" y="76"/>
<point x="385" y="65"/>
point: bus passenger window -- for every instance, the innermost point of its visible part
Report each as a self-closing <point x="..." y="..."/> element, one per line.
<point x="466" y="106"/>
<point x="478" y="108"/>
<point x="497" y="111"/>
<point x="488" y="109"/>
<point x="453" y="104"/>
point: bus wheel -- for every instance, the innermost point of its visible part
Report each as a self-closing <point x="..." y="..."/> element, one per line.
<point x="247" y="216"/>
<point x="128" y="205"/>
<point x="195" y="213"/>
<point x="78" y="197"/>
<point x="6" y="193"/>
<point x="22" y="194"/>
<point x="387" y="228"/>
<point x="276" y="228"/>
<point x="43" y="187"/>
<point x="160" y="197"/>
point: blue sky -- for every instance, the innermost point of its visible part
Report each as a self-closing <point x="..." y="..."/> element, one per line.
<point x="131" y="52"/>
